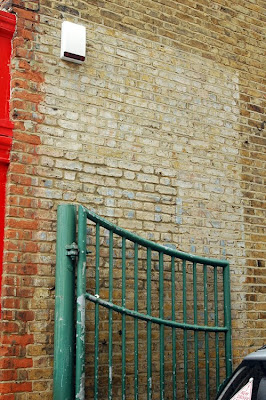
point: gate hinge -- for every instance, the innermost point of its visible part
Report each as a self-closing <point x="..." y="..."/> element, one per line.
<point x="72" y="251"/>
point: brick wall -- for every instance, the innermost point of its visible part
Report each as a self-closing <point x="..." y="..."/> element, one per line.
<point x="160" y="130"/>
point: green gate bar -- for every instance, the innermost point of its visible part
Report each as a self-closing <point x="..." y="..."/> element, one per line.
<point x="227" y="319"/>
<point x="173" y="329"/>
<point x="149" y="348"/>
<point x="185" y="330"/>
<point x="123" y="319"/>
<point x="65" y="390"/>
<point x="96" y="327"/>
<point x="64" y="305"/>
<point x="216" y="321"/>
<point x="196" y="341"/>
<point x="161" y="316"/>
<point x="81" y="291"/>
<point x="110" y="316"/>
<point x="136" y="344"/>
<point x="154" y="320"/>
<point x="207" y="368"/>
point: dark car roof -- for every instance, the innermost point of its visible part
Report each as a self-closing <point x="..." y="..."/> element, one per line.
<point x="259" y="355"/>
<point x="256" y="356"/>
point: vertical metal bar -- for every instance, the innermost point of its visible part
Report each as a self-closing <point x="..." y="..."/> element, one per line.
<point x="207" y="368"/>
<point x="185" y="331"/>
<point x="110" y="317"/>
<point x="136" y="354"/>
<point x="123" y="319"/>
<point x="161" y="315"/>
<point x="196" y="344"/>
<point x="216" y="321"/>
<point x="81" y="290"/>
<point x="64" y="305"/>
<point x="149" y="344"/>
<point x="227" y="320"/>
<point x="96" y="334"/>
<point x="173" y="329"/>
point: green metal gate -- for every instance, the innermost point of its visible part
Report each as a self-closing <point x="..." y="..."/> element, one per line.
<point x="193" y="296"/>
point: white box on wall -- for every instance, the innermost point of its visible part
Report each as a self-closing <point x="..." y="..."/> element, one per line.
<point x="73" y="42"/>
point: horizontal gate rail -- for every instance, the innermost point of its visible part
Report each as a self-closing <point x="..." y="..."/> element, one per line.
<point x="186" y="326"/>
<point x="149" y="318"/>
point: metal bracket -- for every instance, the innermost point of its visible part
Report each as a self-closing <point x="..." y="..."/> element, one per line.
<point x="72" y="251"/>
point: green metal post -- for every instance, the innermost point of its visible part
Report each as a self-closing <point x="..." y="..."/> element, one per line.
<point x="64" y="305"/>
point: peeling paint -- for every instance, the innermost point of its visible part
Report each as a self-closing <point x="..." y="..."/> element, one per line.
<point x="150" y="387"/>
<point x="81" y="394"/>
<point x="81" y="311"/>
<point x="84" y="268"/>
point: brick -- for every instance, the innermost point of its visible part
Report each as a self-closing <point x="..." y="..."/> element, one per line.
<point x="7" y="397"/>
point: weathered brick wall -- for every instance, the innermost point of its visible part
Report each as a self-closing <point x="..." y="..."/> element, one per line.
<point x="161" y="130"/>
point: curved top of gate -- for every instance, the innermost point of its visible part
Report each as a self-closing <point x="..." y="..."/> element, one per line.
<point x="152" y="245"/>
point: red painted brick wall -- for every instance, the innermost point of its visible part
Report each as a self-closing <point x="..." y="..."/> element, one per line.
<point x="20" y="221"/>
<point x="7" y="27"/>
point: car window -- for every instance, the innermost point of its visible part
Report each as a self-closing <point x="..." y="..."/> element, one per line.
<point x="241" y="377"/>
